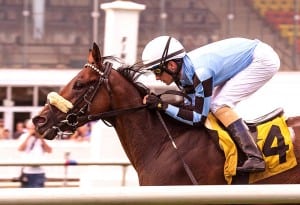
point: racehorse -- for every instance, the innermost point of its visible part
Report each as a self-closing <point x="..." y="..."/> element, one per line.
<point x="100" y="92"/>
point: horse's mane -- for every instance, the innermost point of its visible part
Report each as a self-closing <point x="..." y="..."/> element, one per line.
<point x="131" y="73"/>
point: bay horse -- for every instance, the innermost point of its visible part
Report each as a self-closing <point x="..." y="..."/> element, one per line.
<point x="115" y="96"/>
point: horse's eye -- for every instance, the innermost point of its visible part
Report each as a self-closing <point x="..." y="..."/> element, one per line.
<point x="78" y="85"/>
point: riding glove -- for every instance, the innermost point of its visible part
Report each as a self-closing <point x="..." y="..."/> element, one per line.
<point x="154" y="102"/>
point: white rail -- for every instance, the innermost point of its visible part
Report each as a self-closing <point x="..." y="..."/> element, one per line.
<point x="63" y="163"/>
<point x="66" y="164"/>
<point x="226" y="194"/>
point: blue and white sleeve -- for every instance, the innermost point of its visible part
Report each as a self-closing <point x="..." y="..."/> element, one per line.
<point x="197" y="112"/>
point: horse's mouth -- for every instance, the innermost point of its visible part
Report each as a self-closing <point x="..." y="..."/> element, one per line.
<point x="48" y="134"/>
<point x="54" y="132"/>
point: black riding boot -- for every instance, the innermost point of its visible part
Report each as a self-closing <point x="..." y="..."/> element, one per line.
<point x="240" y="133"/>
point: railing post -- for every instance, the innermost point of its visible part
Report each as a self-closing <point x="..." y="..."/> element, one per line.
<point x="124" y="171"/>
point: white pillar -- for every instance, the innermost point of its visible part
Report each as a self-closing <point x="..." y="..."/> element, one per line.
<point x="38" y="9"/>
<point x="95" y="15"/>
<point x="121" y="29"/>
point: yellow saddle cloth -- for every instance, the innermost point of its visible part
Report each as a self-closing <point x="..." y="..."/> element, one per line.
<point x="274" y="140"/>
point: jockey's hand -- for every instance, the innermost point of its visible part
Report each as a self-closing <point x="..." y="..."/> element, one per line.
<point x="154" y="102"/>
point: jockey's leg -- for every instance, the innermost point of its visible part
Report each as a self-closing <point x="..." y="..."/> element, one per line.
<point x="240" y="133"/>
<point x="264" y="65"/>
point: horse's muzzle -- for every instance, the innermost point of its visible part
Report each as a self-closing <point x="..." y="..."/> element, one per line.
<point x="39" y="121"/>
<point x="40" y="126"/>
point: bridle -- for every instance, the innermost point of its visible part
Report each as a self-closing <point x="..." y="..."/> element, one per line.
<point x="88" y="97"/>
<point x="76" y="117"/>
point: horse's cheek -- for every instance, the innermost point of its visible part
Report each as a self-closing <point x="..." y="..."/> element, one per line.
<point x="102" y="103"/>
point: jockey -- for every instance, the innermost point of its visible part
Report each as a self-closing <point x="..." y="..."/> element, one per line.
<point x="216" y="77"/>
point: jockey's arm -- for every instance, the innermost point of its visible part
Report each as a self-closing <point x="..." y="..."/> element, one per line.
<point x="196" y="112"/>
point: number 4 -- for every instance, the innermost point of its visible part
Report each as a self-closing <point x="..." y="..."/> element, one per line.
<point x="280" y="149"/>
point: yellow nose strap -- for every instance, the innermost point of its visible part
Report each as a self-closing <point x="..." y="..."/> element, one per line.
<point x="59" y="102"/>
<point x="226" y="115"/>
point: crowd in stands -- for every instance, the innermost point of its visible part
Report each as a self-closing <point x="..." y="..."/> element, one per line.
<point x="81" y="134"/>
<point x="283" y="18"/>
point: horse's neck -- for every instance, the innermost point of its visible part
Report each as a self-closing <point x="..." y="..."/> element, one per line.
<point x="136" y="132"/>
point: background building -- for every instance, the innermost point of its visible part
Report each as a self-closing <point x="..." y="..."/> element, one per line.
<point x="57" y="34"/>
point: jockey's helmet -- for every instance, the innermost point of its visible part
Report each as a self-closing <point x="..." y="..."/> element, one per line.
<point x="160" y="50"/>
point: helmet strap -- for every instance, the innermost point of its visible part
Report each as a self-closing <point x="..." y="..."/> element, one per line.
<point x="175" y="75"/>
<point x="165" y="54"/>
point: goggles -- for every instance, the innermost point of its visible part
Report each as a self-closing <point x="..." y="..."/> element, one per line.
<point x="157" y="70"/>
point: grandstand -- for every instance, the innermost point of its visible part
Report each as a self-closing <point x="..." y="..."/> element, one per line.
<point x="284" y="19"/>
<point x="68" y="27"/>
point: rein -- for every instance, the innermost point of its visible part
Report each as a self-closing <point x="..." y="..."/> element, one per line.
<point x="186" y="167"/>
<point x="111" y="113"/>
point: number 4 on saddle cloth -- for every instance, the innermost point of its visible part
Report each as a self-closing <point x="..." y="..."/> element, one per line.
<point x="272" y="136"/>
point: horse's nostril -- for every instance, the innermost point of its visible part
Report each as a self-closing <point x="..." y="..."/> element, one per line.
<point x="38" y="120"/>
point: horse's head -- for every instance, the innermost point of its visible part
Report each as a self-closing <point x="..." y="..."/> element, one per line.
<point x="93" y="90"/>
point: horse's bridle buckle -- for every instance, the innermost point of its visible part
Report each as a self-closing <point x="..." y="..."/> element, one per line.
<point x="72" y="119"/>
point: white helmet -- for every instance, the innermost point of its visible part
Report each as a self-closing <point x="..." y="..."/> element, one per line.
<point x="162" y="49"/>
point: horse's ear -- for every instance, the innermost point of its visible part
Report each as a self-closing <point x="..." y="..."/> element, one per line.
<point x="96" y="54"/>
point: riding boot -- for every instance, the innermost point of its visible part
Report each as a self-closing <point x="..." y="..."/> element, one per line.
<point x="240" y="133"/>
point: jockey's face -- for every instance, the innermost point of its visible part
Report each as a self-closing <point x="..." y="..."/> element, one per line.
<point x="165" y="76"/>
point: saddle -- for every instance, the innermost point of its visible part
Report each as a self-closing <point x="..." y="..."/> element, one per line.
<point x="252" y="124"/>
<point x="272" y="136"/>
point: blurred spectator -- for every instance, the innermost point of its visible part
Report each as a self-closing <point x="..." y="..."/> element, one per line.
<point x="1" y="128"/>
<point x="33" y="148"/>
<point x="6" y="134"/>
<point x="19" y="130"/>
<point x="82" y="133"/>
